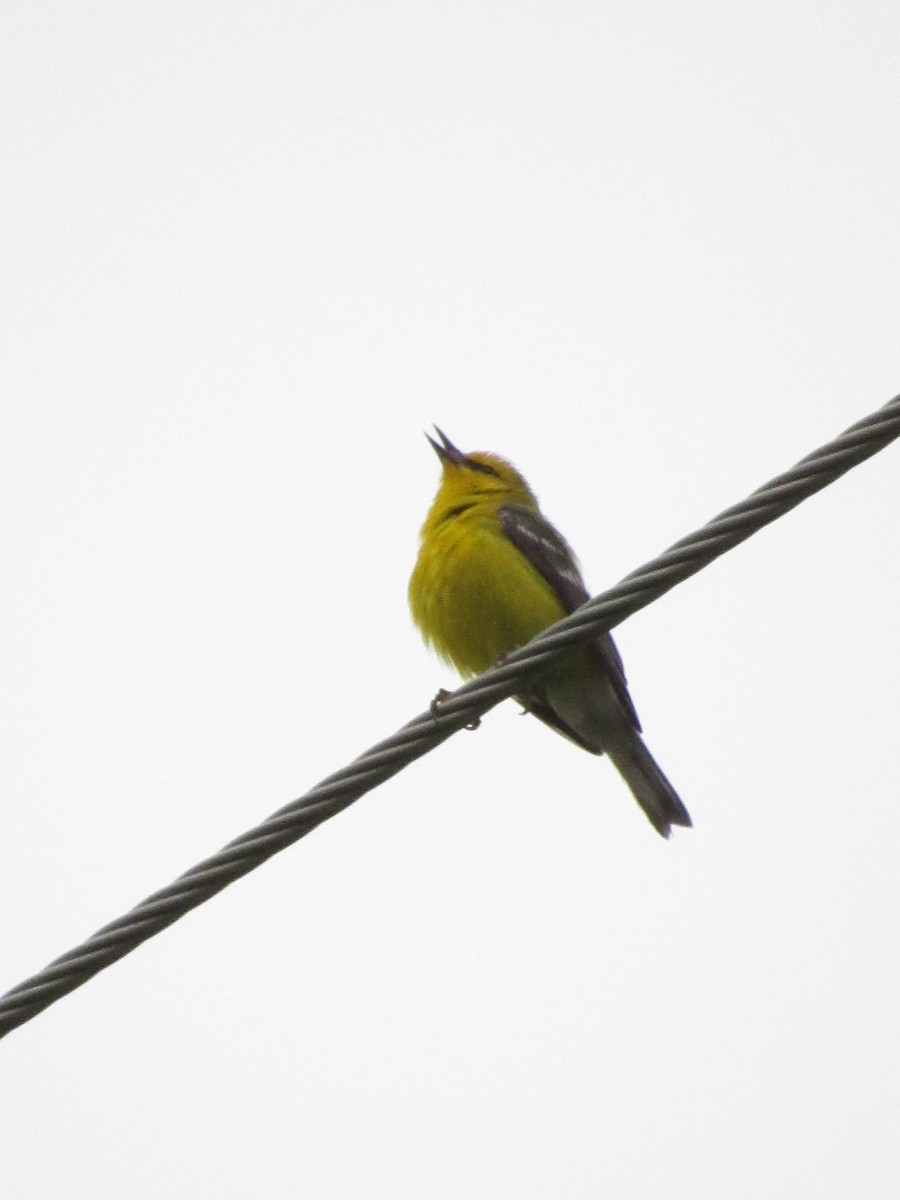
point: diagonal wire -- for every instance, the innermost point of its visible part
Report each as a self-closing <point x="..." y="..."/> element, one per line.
<point x="460" y="708"/>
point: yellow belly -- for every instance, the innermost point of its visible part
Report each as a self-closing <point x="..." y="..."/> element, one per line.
<point x="475" y="596"/>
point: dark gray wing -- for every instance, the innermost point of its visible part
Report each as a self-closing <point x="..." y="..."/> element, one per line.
<point x="547" y="551"/>
<point x="551" y="556"/>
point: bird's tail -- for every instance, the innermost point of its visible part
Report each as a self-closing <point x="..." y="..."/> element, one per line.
<point x="650" y="788"/>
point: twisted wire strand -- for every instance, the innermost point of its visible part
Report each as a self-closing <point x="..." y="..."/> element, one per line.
<point x="462" y="707"/>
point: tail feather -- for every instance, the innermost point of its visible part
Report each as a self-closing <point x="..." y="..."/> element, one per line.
<point x="650" y="788"/>
<point x="589" y="709"/>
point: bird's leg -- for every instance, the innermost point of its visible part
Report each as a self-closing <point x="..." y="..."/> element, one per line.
<point x="518" y="699"/>
<point x="435" y="708"/>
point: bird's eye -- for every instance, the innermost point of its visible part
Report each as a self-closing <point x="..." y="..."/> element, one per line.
<point x="484" y="468"/>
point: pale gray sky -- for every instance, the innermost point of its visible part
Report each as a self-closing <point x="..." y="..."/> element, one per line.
<point x="249" y="252"/>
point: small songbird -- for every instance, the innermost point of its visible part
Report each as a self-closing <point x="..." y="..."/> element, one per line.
<point x="492" y="573"/>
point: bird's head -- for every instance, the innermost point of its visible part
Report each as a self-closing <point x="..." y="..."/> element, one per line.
<point x="477" y="478"/>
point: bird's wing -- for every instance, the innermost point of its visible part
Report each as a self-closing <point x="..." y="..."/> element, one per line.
<point x="552" y="557"/>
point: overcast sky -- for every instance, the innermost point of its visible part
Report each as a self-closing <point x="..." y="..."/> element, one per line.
<point x="249" y="253"/>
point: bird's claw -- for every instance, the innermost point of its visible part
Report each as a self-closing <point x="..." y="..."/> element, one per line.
<point x="435" y="708"/>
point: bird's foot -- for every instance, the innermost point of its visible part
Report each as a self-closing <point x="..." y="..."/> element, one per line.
<point x="435" y="708"/>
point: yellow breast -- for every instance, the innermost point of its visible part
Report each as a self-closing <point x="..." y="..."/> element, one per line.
<point x="474" y="596"/>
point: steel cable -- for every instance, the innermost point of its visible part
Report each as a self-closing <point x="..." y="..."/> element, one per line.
<point x="460" y="708"/>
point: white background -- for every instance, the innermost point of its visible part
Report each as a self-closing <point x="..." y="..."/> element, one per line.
<point x="249" y="252"/>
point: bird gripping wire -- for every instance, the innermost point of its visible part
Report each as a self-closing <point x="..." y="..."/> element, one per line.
<point x="473" y="699"/>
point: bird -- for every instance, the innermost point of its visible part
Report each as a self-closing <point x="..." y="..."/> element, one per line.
<point x="491" y="574"/>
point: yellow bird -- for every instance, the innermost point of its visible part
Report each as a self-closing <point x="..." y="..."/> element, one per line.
<point x="492" y="573"/>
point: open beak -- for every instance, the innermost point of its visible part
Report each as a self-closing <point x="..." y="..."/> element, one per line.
<point x="444" y="449"/>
